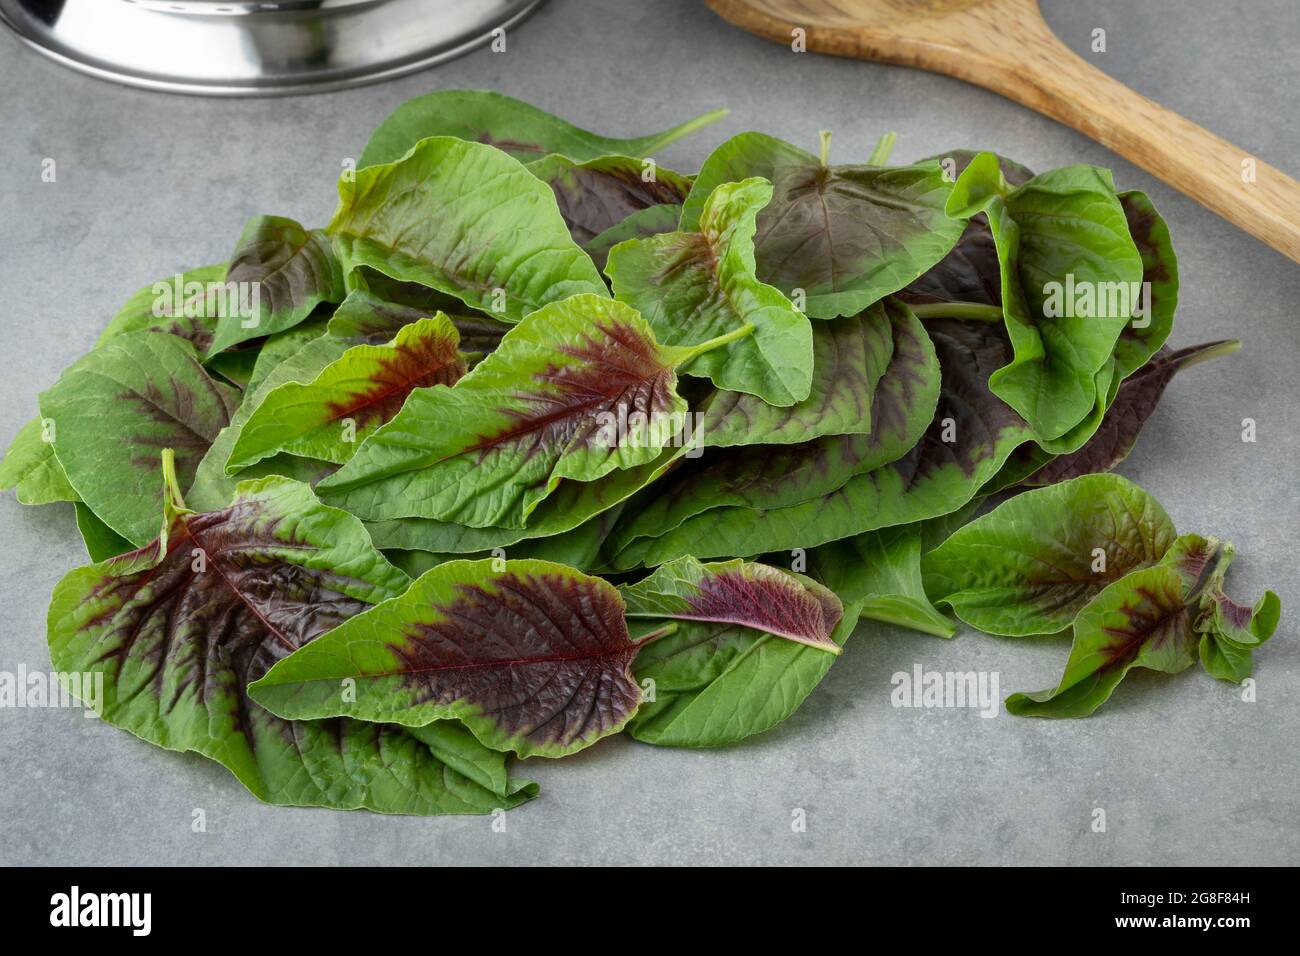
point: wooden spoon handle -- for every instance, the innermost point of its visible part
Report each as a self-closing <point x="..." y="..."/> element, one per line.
<point x="1051" y="79"/>
<point x="1007" y="47"/>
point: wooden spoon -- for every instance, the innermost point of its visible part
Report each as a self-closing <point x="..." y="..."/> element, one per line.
<point x="1007" y="47"/>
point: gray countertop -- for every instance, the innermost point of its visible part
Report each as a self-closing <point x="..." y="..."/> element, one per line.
<point x="1186" y="772"/>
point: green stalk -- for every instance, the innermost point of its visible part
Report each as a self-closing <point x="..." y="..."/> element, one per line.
<point x="972" y="311"/>
<point x="884" y="146"/>
<point x="690" y="126"/>
<point x="824" y="138"/>
<point x="171" y="487"/>
<point x="695" y="351"/>
<point x="1226" y="347"/>
<point x="658" y="632"/>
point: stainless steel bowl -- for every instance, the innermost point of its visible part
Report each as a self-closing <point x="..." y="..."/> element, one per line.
<point x="256" y="47"/>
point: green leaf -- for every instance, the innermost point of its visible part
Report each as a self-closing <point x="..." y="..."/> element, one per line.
<point x="1064" y="248"/>
<point x="212" y="488"/>
<point x="532" y="656"/>
<point x="744" y="484"/>
<point x="237" y="365"/>
<point x="1032" y="563"/>
<point x="846" y="236"/>
<point x="543" y="407"/>
<point x="855" y="487"/>
<point x="179" y="628"/>
<point x="116" y="407"/>
<point x="467" y="220"/>
<point x="716" y="684"/>
<point x="694" y="286"/>
<point x="850" y="357"/>
<point x="1143" y="337"/>
<point x="1138" y="621"/>
<point x="372" y="316"/>
<point x="880" y="571"/>
<point x="968" y="274"/>
<point x="579" y="547"/>
<point x="350" y="398"/>
<point x="598" y="194"/>
<point x="757" y="596"/>
<point x="187" y="305"/>
<point x="1230" y="632"/>
<point x="291" y="269"/>
<point x="1191" y="556"/>
<point x="30" y="468"/>
<point x="638" y="225"/>
<point x="101" y="541"/>
<point x="518" y="128"/>
<point x="565" y="511"/>
<point x="278" y="348"/>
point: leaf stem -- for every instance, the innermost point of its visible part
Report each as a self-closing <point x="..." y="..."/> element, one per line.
<point x="170" y="485"/>
<point x="973" y="311"/>
<point x="690" y="126"/>
<point x="884" y="146"/>
<point x="695" y="351"/>
<point x="824" y="146"/>
<point x="1197" y="355"/>
<point x="658" y="632"/>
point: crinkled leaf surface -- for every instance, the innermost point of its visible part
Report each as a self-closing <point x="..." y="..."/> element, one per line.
<point x="30" y="468"/>
<point x="600" y="193"/>
<point x="1064" y="230"/>
<point x="363" y="318"/>
<point x="754" y="595"/>
<point x="850" y="356"/>
<point x="541" y="408"/>
<point x="534" y="658"/>
<point x="564" y="511"/>
<point x="716" y="683"/>
<point x="351" y="397"/>
<point x="117" y="407"/>
<point x="845" y="235"/>
<point x="1191" y="556"/>
<point x="695" y="286"/>
<point x="730" y="492"/>
<point x="880" y="571"/>
<point x="518" y="128"/>
<point x="967" y="441"/>
<point x="1032" y="563"/>
<point x="464" y="219"/>
<point x="1138" y="621"/>
<point x="293" y="269"/>
<point x="212" y="488"/>
<point x="1230" y="632"/>
<point x="1142" y="338"/>
<point x="179" y="628"/>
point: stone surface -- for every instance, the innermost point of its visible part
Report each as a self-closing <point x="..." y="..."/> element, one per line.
<point x="1185" y="771"/>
